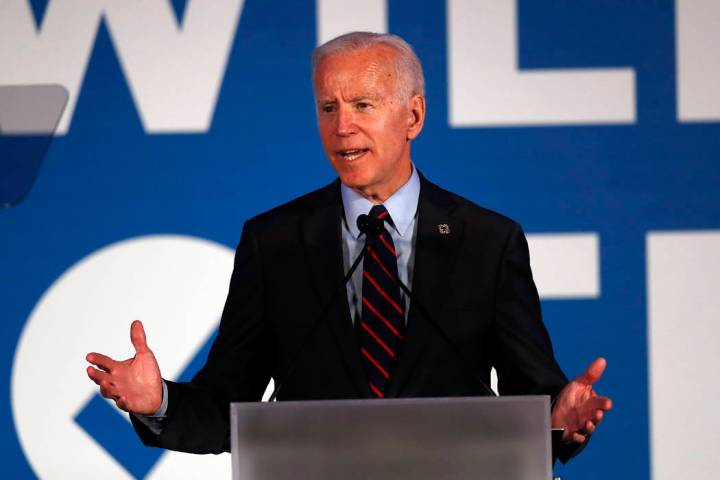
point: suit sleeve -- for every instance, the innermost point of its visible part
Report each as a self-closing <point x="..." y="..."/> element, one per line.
<point x="238" y="367"/>
<point x="523" y="353"/>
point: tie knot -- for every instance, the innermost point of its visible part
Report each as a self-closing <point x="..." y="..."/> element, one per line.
<point x="380" y="212"/>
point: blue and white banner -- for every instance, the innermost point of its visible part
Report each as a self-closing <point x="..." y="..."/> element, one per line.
<point x="595" y="124"/>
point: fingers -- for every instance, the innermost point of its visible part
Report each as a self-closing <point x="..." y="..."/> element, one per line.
<point x="602" y="403"/>
<point x="97" y="376"/>
<point x="137" y="337"/>
<point x="104" y="362"/>
<point x="592" y="423"/>
<point x="108" y="390"/>
<point x="581" y="435"/>
<point x="593" y="372"/>
<point x="105" y="381"/>
<point x="576" y="437"/>
<point x="598" y="416"/>
<point x="580" y="432"/>
<point x="589" y="427"/>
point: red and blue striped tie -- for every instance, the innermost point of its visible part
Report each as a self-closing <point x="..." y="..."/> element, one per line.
<point x="382" y="326"/>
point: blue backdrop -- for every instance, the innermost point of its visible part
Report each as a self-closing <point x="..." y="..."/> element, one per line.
<point x="108" y="179"/>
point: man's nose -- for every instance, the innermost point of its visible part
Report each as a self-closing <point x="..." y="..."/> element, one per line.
<point x="345" y="123"/>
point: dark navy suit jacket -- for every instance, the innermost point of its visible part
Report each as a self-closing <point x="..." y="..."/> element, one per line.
<point x="475" y="282"/>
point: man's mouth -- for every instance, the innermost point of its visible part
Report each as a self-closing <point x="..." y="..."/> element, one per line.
<point x="352" y="154"/>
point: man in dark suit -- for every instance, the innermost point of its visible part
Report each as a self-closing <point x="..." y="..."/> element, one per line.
<point x="289" y="315"/>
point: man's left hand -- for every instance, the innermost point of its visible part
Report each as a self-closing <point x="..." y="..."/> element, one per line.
<point x="578" y="409"/>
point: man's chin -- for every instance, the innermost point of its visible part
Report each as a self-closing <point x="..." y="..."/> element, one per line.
<point x="357" y="182"/>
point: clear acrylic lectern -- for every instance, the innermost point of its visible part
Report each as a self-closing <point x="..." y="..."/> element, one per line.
<point x="420" y="439"/>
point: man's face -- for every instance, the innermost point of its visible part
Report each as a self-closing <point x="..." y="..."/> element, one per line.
<point x="365" y="126"/>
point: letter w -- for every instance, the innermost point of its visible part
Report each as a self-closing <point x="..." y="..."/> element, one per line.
<point x="174" y="71"/>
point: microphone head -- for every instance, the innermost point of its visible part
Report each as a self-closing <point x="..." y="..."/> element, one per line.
<point x="370" y="226"/>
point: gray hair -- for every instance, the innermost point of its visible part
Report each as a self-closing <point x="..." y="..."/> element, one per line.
<point x="407" y="64"/>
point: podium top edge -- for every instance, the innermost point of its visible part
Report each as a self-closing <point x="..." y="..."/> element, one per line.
<point x="371" y="402"/>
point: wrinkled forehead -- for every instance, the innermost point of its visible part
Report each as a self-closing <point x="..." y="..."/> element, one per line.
<point x="371" y="70"/>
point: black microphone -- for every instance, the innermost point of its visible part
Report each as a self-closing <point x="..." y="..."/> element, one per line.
<point x="370" y="226"/>
<point x="367" y="225"/>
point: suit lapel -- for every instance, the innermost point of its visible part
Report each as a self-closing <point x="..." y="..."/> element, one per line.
<point x="439" y="235"/>
<point x="322" y="237"/>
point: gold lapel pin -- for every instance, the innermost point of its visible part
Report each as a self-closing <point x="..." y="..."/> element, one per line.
<point x="444" y="229"/>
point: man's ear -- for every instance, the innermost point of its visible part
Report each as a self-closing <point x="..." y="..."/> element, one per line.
<point x="416" y="116"/>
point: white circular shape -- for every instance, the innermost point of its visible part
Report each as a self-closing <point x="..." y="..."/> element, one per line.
<point x="175" y="284"/>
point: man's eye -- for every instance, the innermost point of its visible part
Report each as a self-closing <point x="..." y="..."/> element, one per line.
<point x="362" y="105"/>
<point x="328" y="109"/>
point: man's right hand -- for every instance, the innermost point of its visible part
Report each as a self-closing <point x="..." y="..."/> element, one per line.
<point x="134" y="384"/>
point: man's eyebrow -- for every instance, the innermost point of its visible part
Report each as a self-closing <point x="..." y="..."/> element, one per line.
<point x="360" y="98"/>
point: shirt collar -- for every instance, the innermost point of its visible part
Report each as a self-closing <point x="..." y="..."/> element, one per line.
<point x="402" y="205"/>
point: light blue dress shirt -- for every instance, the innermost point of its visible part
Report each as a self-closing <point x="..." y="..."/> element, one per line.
<point x="402" y="207"/>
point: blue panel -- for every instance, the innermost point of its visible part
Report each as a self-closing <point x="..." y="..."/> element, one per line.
<point x="108" y="180"/>
<point x="179" y="9"/>
<point x="38" y="9"/>
<point x="112" y="432"/>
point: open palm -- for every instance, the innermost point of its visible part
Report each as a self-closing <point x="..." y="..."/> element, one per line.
<point x="134" y="384"/>
<point x="578" y="408"/>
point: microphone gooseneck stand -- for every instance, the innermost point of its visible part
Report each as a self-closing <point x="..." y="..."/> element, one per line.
<point x="363" y="226"/>
<point x="370" y="226"/>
